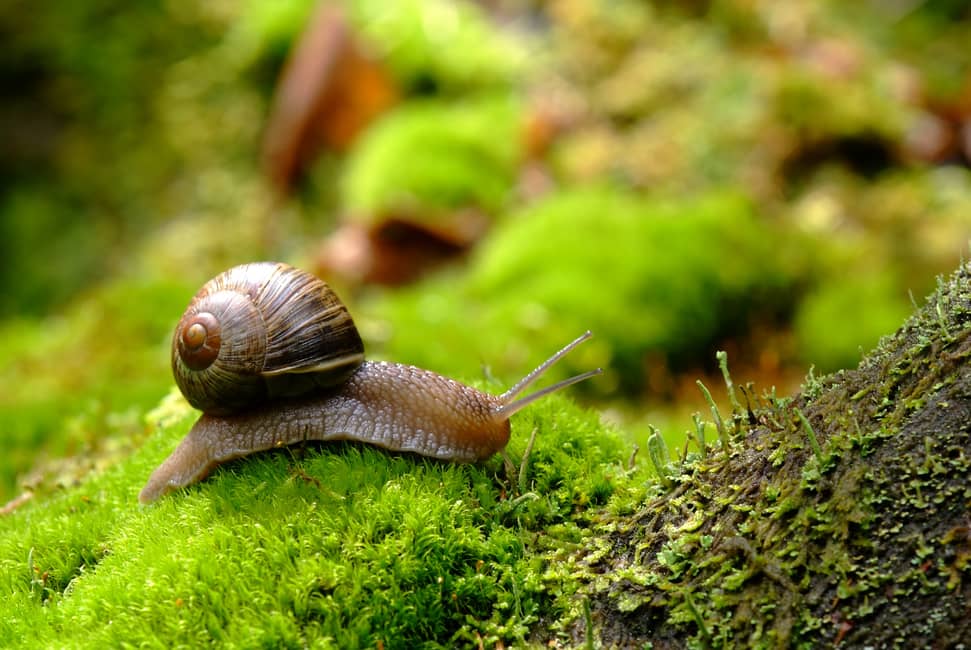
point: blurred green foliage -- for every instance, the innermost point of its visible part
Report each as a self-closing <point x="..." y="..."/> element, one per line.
<point x="667" y="277"/>
<point x="469" y="152"/>
<point x="440" y="46"/>
<point x="653" y="279"/>
<point x="40" y="270"/>
<point x="430" y="46"/>
<point x="84" y="159"/>
<point x="77" y="384"/>
<point x="840" y="322"/>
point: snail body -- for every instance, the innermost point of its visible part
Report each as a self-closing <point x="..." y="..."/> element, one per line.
<point x="326" y="392"/>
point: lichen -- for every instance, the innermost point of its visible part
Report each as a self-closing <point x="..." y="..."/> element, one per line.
<point x="861" y="541"/>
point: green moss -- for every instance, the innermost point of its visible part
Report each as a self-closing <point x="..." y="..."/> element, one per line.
<point x="654" y="280"/>
<point x="822" y="109"/>
<point x="339" y="544"/>
<point x="469" y="152"/>
<point x="427" y="45"/>
<point x="441" y="44"/>
<point x="77" y="383"/>
<point x="837" y="322"/>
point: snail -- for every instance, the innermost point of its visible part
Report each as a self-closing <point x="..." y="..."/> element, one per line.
<point x="271" y="357"/>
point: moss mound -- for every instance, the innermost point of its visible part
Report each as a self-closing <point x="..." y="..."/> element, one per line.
<point x="338" y="546"/>
<point x="656" y="281"/>
<point x="469" y="156"/>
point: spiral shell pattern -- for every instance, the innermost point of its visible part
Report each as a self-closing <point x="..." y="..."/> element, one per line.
<point x="259" y="331"/>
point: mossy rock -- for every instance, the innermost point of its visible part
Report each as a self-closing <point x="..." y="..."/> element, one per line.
<point x="838" y="517"/>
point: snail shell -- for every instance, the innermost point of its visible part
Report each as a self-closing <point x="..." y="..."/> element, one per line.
<point x="261" y="331"/>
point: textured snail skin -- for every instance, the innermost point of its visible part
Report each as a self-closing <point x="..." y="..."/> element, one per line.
<point x="395" y="406"/>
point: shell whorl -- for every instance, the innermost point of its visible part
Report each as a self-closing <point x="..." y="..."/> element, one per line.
<point x="258" y="331"/>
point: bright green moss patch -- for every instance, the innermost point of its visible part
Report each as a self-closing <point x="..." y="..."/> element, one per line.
<point x="335" y="544"/>
<point x="469" y="154"/>
<point x="439" y="44"/>
<point x="837" y="323"/>
<point x="656" y="281"/>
